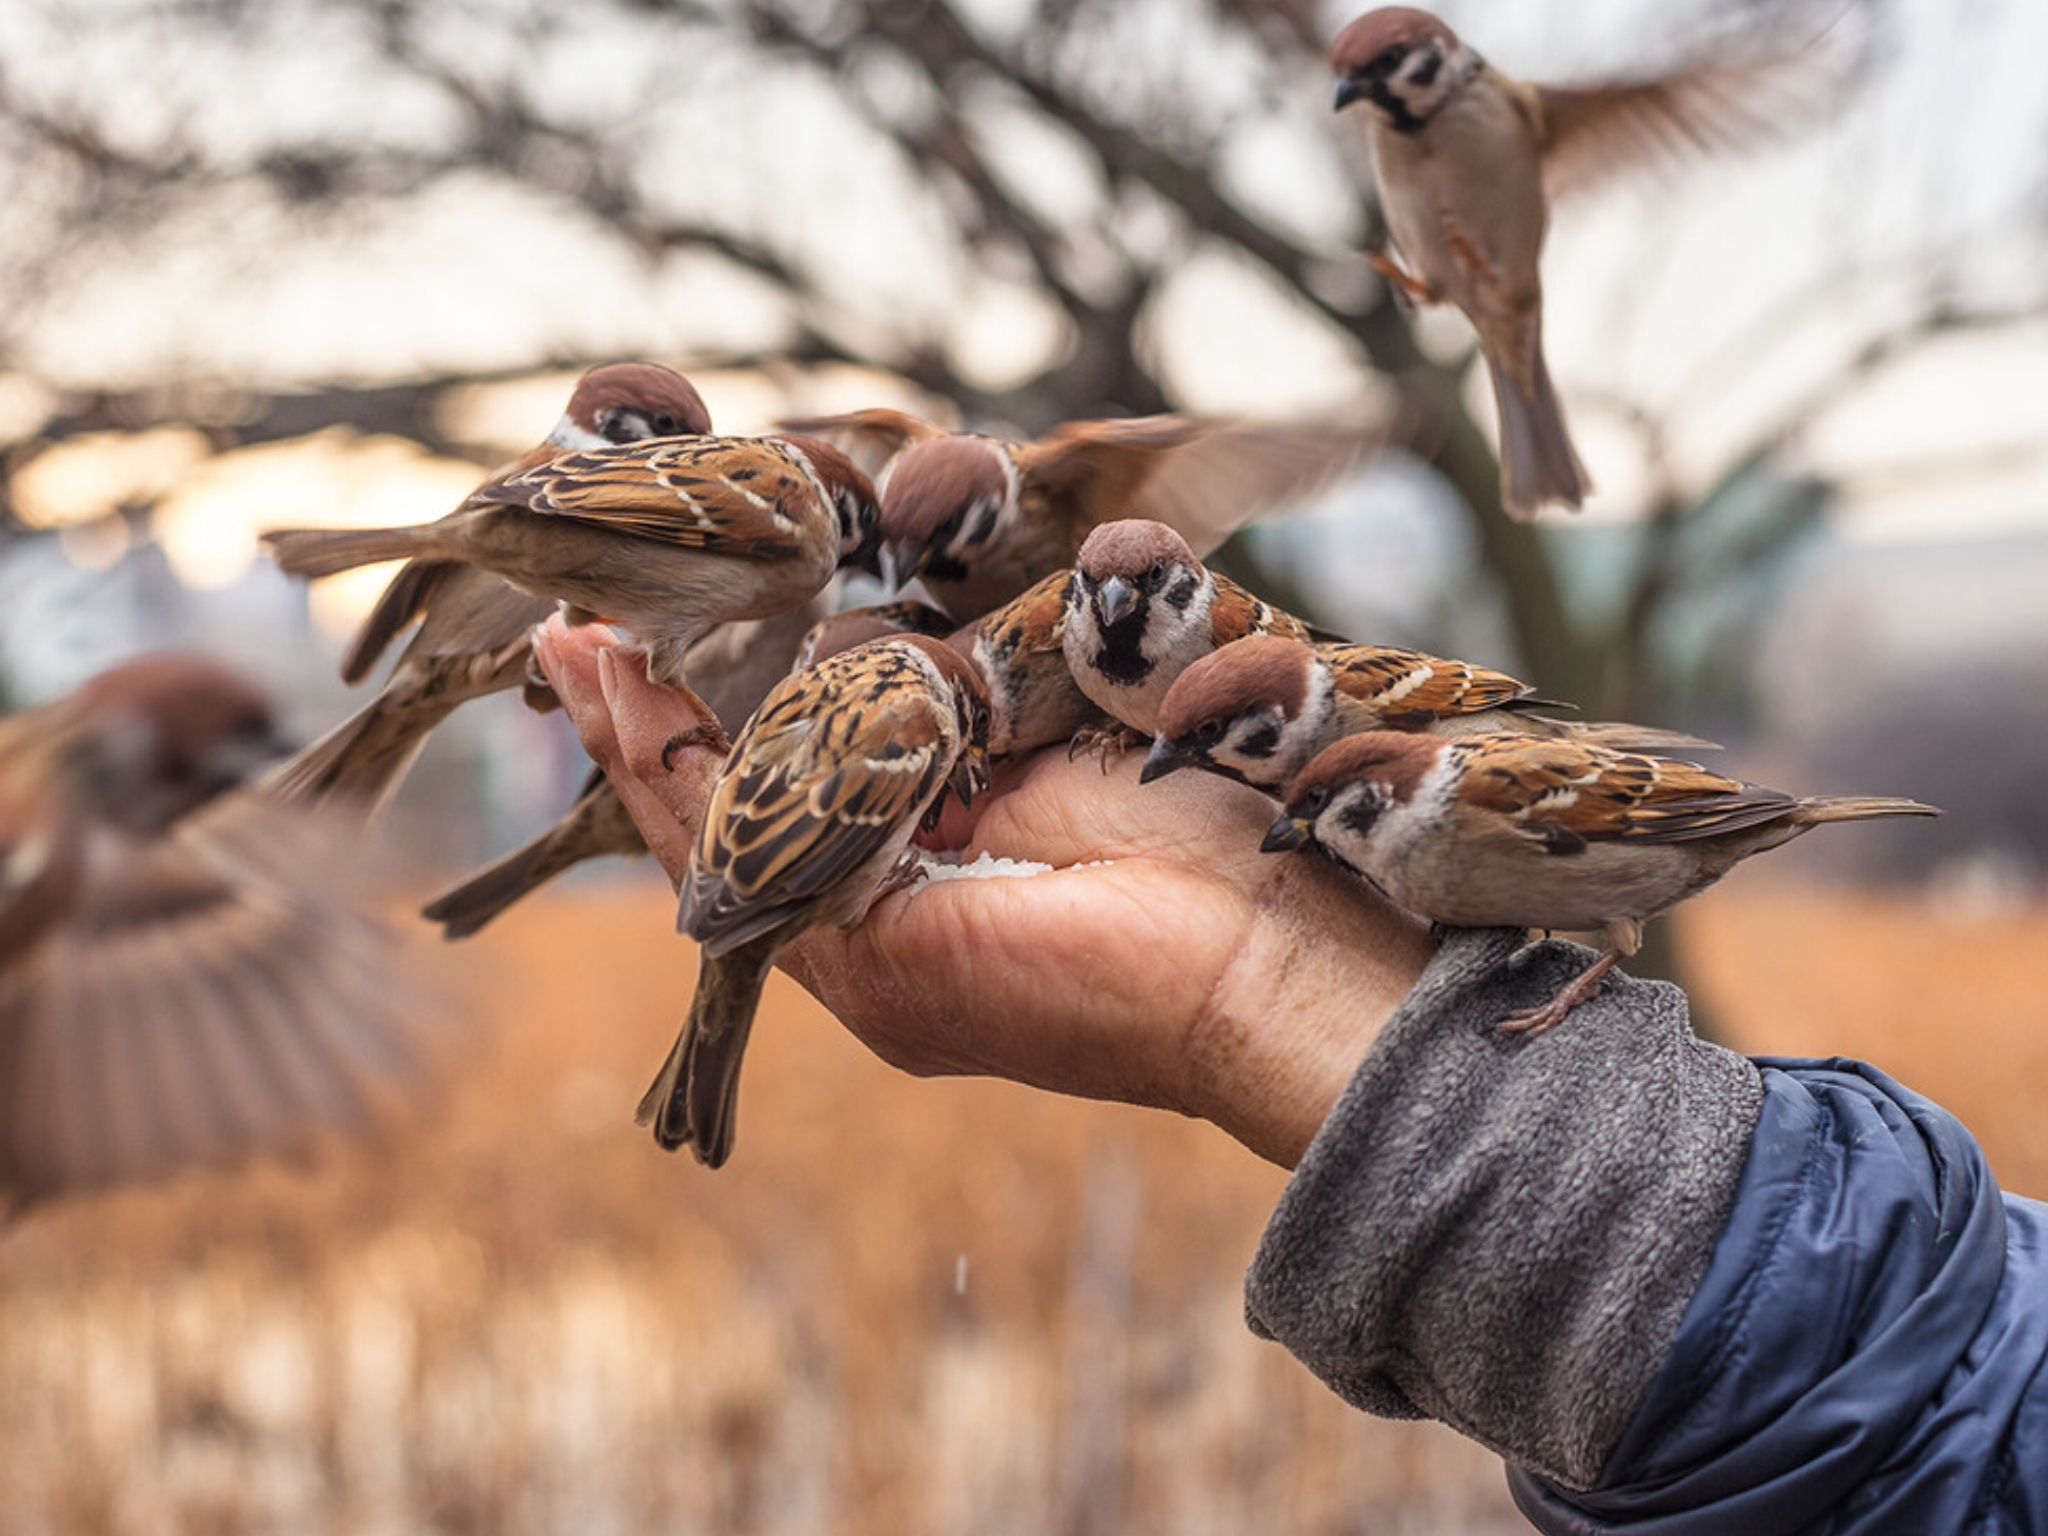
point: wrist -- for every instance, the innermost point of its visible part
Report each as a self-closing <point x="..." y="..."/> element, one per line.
<point x="1292" y="1019"/>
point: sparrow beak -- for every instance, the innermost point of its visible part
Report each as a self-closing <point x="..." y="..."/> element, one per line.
<point x="1114" y="599"/>
<point x="1349" y="89"/>
<point x="1164" y="758"/>
<point x="900" y="564"/>
<point x="870" y="556"/>
<point x="1286" y="835"/>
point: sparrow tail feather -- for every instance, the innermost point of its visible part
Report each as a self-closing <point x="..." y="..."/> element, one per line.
<point x="1625" y="737"/>
<point x="1538" y="464"/>
<point x="312" y="552"/>
<point x="1824" y="808"/>
<point x="402" y="602"/>
<point x="485" y="895"/>
<point x="695" y="1099"/>
<point x="361" y="761"/>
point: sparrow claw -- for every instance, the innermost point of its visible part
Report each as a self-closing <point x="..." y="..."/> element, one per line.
<point x="1409" y="291"/>
<point x="1106" y="743"/>
<point x="909" y="870"/>
<point x="1531" y="1022"/>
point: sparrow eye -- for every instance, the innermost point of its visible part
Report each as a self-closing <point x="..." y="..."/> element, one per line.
<point x="666" y="425"/>
<point x="1315" y="802"/>
<point x="1209" y="730"/>
<point x="1389" y="59"/>
<point x="1157" y="574"/>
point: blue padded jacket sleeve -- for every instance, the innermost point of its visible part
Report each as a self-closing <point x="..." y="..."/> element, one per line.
<point x="1866" y="1352"/>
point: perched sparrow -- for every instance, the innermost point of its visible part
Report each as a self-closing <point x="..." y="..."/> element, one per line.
<point x="856" y="626"/>
<point x="671" y="537"/>
<point x="1142" y="609"/>
<point x="473" y="625"/>
<point x="1468" y="161"/>
<point x="1522" y="832"/>
<point x="1260" y="708"/>
<point x="810" y="821"/>
<point x="979" y="519"/>
<point x="181" y="984"/>
<point x="731" y="668"/>
<point x="1020" y="651"/>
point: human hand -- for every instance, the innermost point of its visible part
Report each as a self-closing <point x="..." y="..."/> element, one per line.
<point x="1180" y="969"/>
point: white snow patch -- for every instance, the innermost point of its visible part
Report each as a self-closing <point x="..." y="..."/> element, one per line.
<point x="947" y="866"/>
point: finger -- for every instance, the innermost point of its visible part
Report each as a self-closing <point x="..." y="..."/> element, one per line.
<point x="667" y="806"/>
<point x="568" y="658"/>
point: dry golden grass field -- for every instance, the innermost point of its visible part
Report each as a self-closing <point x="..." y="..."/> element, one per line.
<point x="950" y="1308"/>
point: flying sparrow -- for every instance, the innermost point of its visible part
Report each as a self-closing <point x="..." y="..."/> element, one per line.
<point x="671" y="538"/>
<point x="1260" y="708"/>
<point x="1468" y="161"/>
<point x="1524" y="832"/>
<point x="809" y="823"/>
<point x="473" y="625"/>
<point x="979" y="519"/>
<point x="1020" y="651"/>
<point x="182" y="981"/>
<point x="1142" y="609"/>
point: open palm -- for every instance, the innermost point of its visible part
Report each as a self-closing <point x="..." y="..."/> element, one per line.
<point x="1162" y="961"/>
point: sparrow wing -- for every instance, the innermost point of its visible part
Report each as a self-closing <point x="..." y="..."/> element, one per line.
<point x="1237" y="612"/>
<point x="208" y="998"/>
<point x="1398" y="683"/>
<point x="739" y="496"/>
<point x="870" y="438"/>
<point x="1033" y="622"/>
<point x="837" y="761"/>
<point x="1566" y="794"/>
<point x="1591" y="133"/>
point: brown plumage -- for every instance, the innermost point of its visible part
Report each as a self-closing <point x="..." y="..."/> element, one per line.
<point x="979" y="519"/>
<point x="1530" y="832"/>
<point x="473" y="625"/>
<point x="810" y="820"/>
<point x="671" y="537"/>
<point x="1020" y="651"/>
<point x="1468" y="161"/>
<point x="184" y="979"/>
<point x="1260" y="708"/>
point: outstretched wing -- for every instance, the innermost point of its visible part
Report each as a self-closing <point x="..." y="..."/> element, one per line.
<point x="870" y="438"/>
<point x="209" y="998"/>
<point x="723" y="495"/>
<point x="1593" y="132"/>
<point x="1203" y="478"/>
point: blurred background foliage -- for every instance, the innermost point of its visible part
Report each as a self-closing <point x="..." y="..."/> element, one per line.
<point x="272" y="261"/>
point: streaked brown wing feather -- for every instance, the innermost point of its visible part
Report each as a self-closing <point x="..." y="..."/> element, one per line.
<point x="724" y="495"/>
<point x="1402" y="682"/>
<point x="213" y="998"/>
<point x="1596" y="793"/>
<point x="1237" y="613"/>
<point x="836" y="761"/>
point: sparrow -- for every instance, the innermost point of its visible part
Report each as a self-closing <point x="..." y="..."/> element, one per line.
<point x="183" y="980"/>
<point x="473" y="625"/>
<point x="729" y="667"/>
<point x="1141" y="609"/>
<point x="1527" y="832"/>
<point x="1468" y="161"/>
<point x="979" y="519"/>
<point x="810" y="822"/>
<point x="1020" y="652"/>
<point x="671" y="537"/>
<point x="1261" y="707"/>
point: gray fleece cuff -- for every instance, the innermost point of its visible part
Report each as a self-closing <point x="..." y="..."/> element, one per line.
<point x="1500" y="1233"/>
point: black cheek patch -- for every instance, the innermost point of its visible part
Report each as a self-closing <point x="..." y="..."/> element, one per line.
<point x="1263" y="742"/>
<point x="945" y="568"/>
<point x="1183" y="591"/>
<point x="1426" y="75"/>
<point x="1361" y="816"/>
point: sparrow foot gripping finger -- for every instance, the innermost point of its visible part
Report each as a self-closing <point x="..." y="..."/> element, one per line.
<point x="908" y="871"/>
<point x="1531" y="1022"/>
<point x="1105" y="743"/>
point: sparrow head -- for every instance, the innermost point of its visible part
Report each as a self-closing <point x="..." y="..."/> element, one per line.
<point x="151" y="741"/>
<point x="857" y="626"/>
<point x="1249" y="711"/>
<point x="1340" y="796"/>
<point x="853" y="502"/>
<point x="628" y="403"/>
<point x="942" y="501"/>
<point x="1135" y="575"/>
<point x="972" y="711"/>
<point x="1405" y="62"/>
